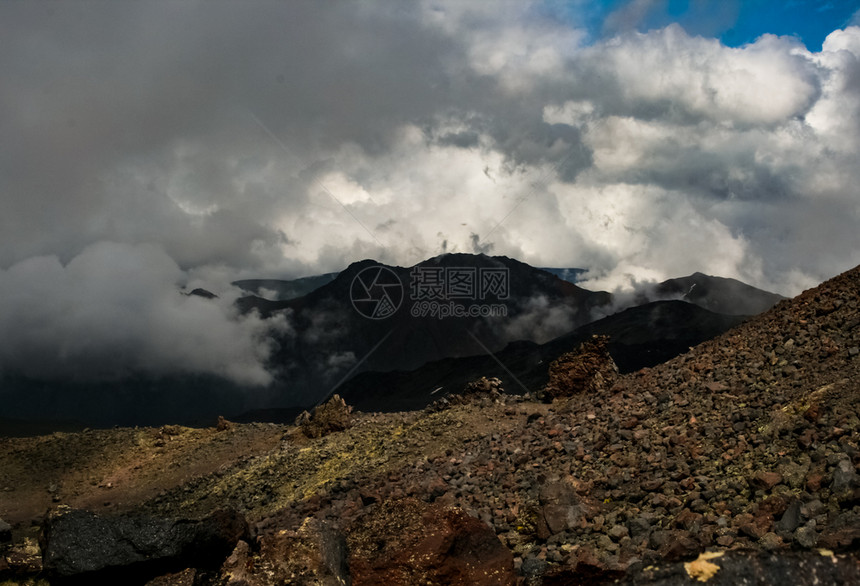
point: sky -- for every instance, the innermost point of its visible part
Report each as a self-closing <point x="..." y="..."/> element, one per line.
<point x="149" y="146"/>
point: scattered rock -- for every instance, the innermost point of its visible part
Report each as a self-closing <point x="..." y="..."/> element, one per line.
<point x="841" y="534"/>
<point x="238" y="567"/>
<point x="790" y="519"/>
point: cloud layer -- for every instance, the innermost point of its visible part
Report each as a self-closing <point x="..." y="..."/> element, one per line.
<point x="116" y="311"/>
<point x="211" y="141"/>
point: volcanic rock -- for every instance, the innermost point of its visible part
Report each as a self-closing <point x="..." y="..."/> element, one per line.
<point x="79" y="543"/>
<point x="589" y="369"/>
<point x="333" y="415"/>
<point x="409" y="542"/>
<point x="561" y="508"/>
<point x="314" y="553"/>
<point x="21" y="560"/>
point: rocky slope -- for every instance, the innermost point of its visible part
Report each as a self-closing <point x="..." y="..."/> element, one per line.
<point x="748" y="444"/>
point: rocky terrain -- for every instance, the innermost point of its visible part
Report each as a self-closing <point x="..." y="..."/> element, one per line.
<point x="737" y="458"/>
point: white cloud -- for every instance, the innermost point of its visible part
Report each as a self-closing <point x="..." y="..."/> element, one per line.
<point x="117" y="310"/>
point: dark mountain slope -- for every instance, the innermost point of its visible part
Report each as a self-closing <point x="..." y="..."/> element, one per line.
<point x="332" y="337"/>
<point x="639" y="337"/>
<point x="717" y="294"/>
<point x="286" y="289"/>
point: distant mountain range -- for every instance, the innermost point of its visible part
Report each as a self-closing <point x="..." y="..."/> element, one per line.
<point x="285" y="290"/>
<point x="370" y="333"/>
<point x="372" y="360"/>
<point x="333" y="340"/>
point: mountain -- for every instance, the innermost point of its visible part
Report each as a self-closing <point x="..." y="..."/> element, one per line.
<point x="285" y="289"/>
<point x="640" y="337"/>
<point x="330" y="342"/>
<point x="336" y="334"/>
<point x="717" y="294"/>
<point x="738" y="458"/>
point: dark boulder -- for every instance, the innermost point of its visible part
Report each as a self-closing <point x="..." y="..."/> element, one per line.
<point x="85" y="545"/>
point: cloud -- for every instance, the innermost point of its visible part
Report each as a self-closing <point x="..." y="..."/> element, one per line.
<point x="294" y="138"/>
<point x="117" y="310"/>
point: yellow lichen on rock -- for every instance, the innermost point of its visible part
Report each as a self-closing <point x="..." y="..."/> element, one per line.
<point x="701" y="568"/>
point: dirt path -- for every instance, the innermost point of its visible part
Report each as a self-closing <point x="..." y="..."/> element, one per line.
<point x="116" y="470"/>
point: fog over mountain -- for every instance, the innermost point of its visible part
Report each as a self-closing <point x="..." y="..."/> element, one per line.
<point x="149" y="147"/>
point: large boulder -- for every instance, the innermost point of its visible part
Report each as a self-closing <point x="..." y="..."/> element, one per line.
<point x="562" y="509"/>
<point x="333" y="415"/>
<point x="412" y="542"/>
<point x="314" y="553"/>
<point x="589" y="369"/>
<point x="82" y="544"/>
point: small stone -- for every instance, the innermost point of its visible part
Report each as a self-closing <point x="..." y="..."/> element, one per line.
<point x="638" y="526"/>
<point x="790" y="519"/>
<point x="844" y="477"/>
<point x="771" y="541"/>
<point x="757" y="528"/>
<point x="533" y="567"/>
<point x="812" y="509"/>
<point x="766" y="479"/>
<point x="617" y="532"/>
<point x="806" y="537"/>
<point x="814" y="481"/>
<point x="794" y="474"/>
<point x="725" y="540"/>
